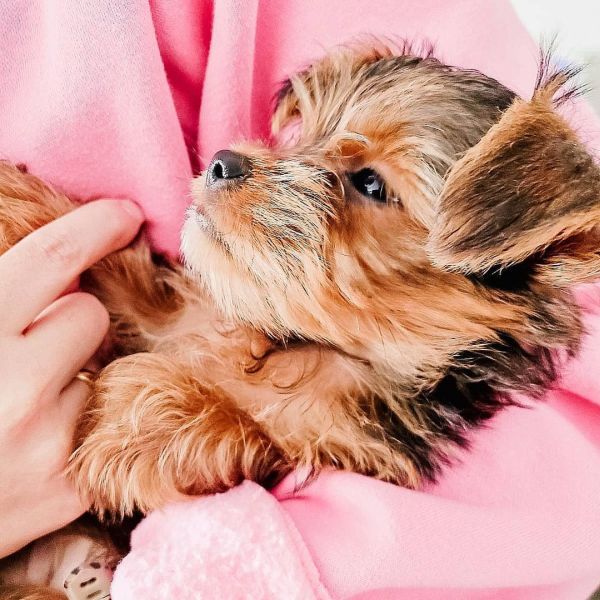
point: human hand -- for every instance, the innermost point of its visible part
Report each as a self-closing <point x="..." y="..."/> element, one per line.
<point x="45" y="340"/>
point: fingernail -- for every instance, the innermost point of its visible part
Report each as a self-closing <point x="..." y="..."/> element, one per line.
<point x="133" y="209"/>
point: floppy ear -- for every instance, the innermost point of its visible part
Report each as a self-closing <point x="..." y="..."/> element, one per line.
<point x="313" y="93"/>
<point x="528" y="192"/>
<point x="286" y="105"/>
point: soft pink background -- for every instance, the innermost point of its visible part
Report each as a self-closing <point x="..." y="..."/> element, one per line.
<point x="125" y="98"/>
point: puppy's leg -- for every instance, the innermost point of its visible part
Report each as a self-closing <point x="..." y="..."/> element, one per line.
<point x="154" y="432"/>
<point x="140" y="291"/>
<point x="26" y="204"/>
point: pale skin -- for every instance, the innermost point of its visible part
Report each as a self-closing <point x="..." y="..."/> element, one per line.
<point x="46" y="337"/>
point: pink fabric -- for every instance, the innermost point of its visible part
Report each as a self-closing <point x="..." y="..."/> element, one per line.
<point x="234" y="545"/>
<point x="113" y="98"/>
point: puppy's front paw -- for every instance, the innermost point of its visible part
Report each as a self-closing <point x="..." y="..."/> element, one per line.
<point x="122" y="462"/>
<point x="154" y="434"/>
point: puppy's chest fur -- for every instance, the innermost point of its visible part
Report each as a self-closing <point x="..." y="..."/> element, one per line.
<point x="291" y="391"/>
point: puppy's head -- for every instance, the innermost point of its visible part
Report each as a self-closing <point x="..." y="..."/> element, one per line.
<point x="413" y="215"/>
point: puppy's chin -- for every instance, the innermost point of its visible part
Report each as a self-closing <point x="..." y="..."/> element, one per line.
<point x="209" y="260"/>
<point x="203" y="251"/>
<point x="203" y="245"/>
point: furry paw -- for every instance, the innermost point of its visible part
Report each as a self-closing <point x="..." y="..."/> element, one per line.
<point x="154" y="434"/>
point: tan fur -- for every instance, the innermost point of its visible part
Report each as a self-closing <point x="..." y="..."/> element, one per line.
<point x="495" y="210"/>
<point x="316" y="328"/>
<point x="29" y="592"/>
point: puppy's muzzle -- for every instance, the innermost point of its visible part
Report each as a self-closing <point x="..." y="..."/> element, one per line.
<point x="226" y="167"/>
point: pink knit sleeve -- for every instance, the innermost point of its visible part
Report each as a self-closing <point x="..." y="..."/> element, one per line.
<point x="238" y="545"/>
<point x="85" y="103"/>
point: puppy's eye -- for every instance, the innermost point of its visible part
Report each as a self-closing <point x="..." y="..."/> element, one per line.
<point x="369" y="183"/>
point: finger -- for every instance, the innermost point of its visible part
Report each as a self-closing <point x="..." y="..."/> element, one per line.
<point x="71" y="404"/>
<point x="35" y="271"/>
<point x="60" y="506"/>
<point x="64" y="505"/>
<point x="66" y="336"/>
<point x="55" y="502"/>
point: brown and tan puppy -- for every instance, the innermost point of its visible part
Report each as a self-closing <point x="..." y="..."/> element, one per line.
<point x="359" y="297"/>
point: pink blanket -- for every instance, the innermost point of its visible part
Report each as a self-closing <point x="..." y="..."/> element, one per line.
<point x="114" y="98"/>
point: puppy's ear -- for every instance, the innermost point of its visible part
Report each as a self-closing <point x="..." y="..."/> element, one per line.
<point x="307" y="95"/>
<point x="528" y="192"/>
<point x="304" y="96"/>
<point x="315" y="93"/>
<point x="287" y="106"/>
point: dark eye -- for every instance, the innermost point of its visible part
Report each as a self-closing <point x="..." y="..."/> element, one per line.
<point x="369" y="183"/>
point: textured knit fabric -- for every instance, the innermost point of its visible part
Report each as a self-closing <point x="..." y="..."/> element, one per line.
<point x="125" y="98"/>
<point x="234" y="545"/>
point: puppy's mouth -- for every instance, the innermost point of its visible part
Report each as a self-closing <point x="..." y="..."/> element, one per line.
<point x="201" y="218"/>
<point x="205" y="223"/>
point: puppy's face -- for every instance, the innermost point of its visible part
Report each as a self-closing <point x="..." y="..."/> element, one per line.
<point x="335" y="233"/>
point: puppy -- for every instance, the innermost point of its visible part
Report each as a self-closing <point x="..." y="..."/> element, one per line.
<point x="358" y="295"/>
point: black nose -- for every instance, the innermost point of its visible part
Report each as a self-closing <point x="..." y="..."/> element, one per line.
<point x="227" y="166"/>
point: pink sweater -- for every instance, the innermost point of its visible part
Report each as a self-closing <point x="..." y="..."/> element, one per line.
<point x="121" y="98"/>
